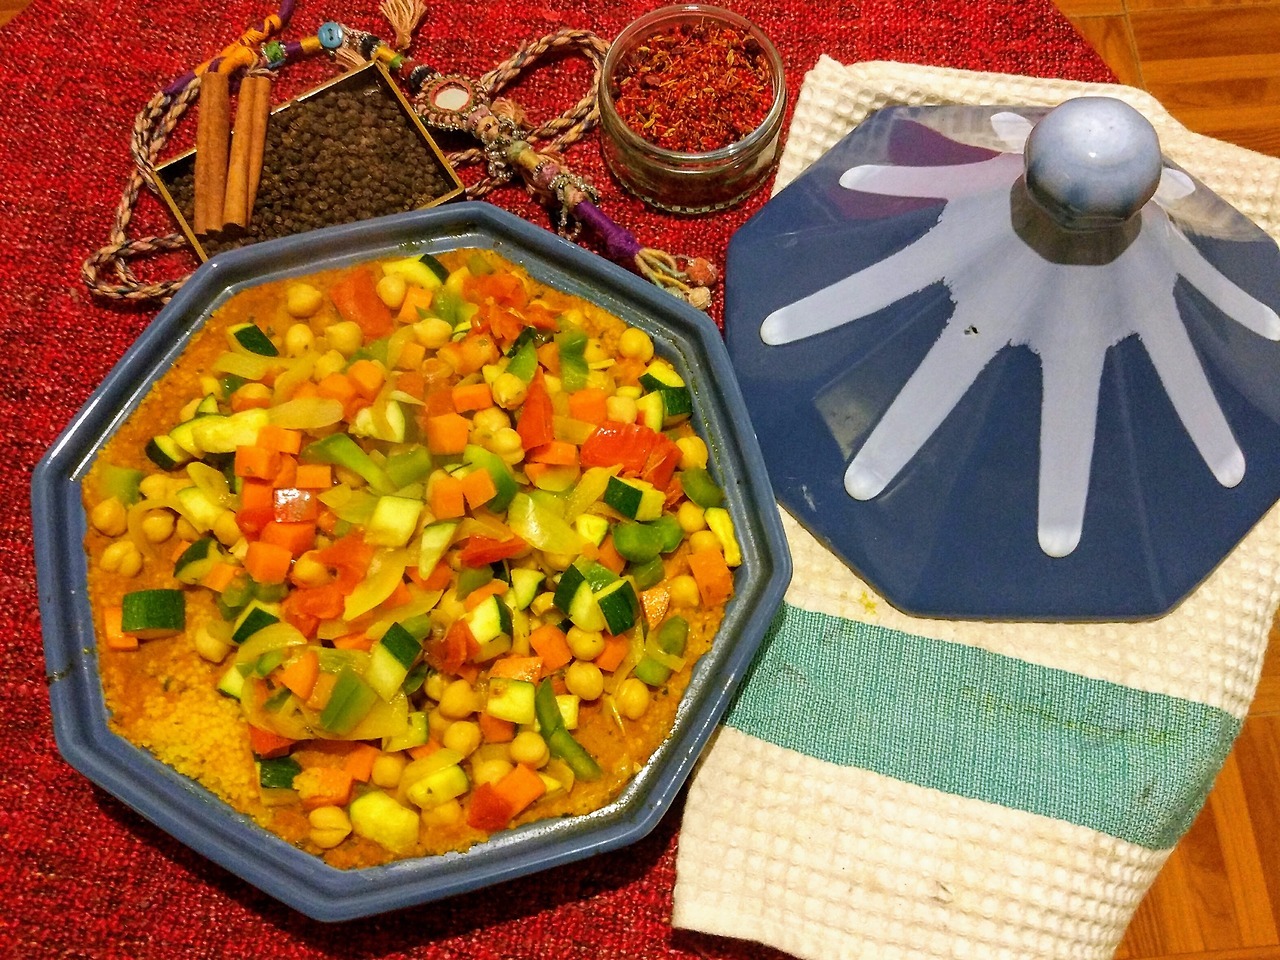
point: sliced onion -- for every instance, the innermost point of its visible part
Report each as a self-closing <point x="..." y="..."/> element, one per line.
<point x="250" y="366"/>
<point x="212" y="483"/>
<point x="306" y="413"/>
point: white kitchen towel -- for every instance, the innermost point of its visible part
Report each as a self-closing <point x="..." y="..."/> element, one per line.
<point x="886" y="786"/>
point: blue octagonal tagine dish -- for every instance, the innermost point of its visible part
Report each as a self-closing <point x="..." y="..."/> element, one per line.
<point x="682" y="336"/>
<point x="1012" y="363"/>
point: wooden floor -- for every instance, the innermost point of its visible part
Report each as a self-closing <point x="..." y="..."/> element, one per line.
<point x="1215" y="64"/>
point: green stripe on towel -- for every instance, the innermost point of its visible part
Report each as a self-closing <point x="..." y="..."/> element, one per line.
<point x="972" y="723"/>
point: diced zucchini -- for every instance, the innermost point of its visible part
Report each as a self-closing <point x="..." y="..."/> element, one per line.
<point x="197" y="508"/>
<point x="592" y="527"/>
<point x="224" y="434"/>
<point x="390" y="659"/>
<point x="526" y="582"/>
<point x="652" y="412"/>
<point x="435" y="266"/>
<point x="510" y="699"/>
<point x="248" y="337"/>
<point x="383" y="421"/>
<point x="489" y="619"/>
<point x="414" y="270"/>
<point x="231" y="682"/>
<point x="677" y="404"/>
<point x="439" y="786"/>
<point x="415" y="736"/>
<point x="378" y="817"/>
<point x="183" y="437"/>
<point x="568" y="704"/>
<point x="619" y="605"/>
<point x="149" y="614"/>
<point x="436" y="538"/>
<point x="278" y="773"/>
<point x="393" y="522"/>
<point x="634" y="498"/>
<point x="197" y="560"/>
<point x="164" y="452"/>
<point x="253" y="618"/>
<point x="660" y="374"/>
<point x="721" y="524"/>
<point x="584" y="610"/>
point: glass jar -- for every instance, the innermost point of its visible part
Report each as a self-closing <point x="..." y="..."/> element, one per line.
<point x="689" y="182"/>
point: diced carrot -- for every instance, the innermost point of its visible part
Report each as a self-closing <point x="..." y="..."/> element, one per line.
<point x="313" y="476"/>
<point x="550" y="644"/>
<point x="520" y="787"/>
<point x="287" y="475"/>
<point x="353" y="641"/>
<point x="549" y="357"/>
<point x="712" y="574"/>
<point x="415" y="299"/>
<point x="495" y="730"/>
<point x="368" y="377"/>
<point x="494" y="588"/>
<point x="337" y="386"/>
<point x="423" y="749"/>
<point x="411" y="356"/>
<point x="256" y="495"/>
<point x="267" y="562"/>
<point x="445" y="494"/>
<point x="356" y="297"/>
<point x="322" y="691"/>
<point x="609" y="557"/>
<point x="517" y="668"/>
<point x="472" y="396"/>
<point x="450" y="652"/>
<point x="323" y="602"/>
<point x="439" y="578"/>
<point x="537" y="418"/>
<point x="324" y="787"/>
<point x="478" y="488"/>
<point x="614" y="652"/>
<point x="300" y="674"/>
<point x="359" y="761"/>
<point x="655" y="602"/>
<point x="480" y="551"/>
<point x="113" y="627"/>
<point x="280" y="439"/>
<point x="219" y="576"/>
<point x="489" y="810"/>
<point x="447" y="433"/>
<point x="256" y="462"/>
<point x="297" y="537"/>
<point x="267" y="743"/>
<point x="305" y="389"/>
<point x="179" y="548"/>
<point x="557" y="452"/>
<point x="438" y="401"/>
<point x="412" y="382"/>
<point x="399" y="596"/>
<point x="589" y="404"/>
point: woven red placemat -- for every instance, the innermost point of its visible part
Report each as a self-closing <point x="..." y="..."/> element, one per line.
<point x="81" y="874"/>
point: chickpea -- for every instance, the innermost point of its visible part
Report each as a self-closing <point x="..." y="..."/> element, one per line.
<point x="684" y="591"/>
<point x="330" y="825"/>
<point x="154" y="487"/>
<point x="345" y="337"/>
<point x="703" y="540"/>
<point x="621" y="409"/>
<point x="302" y="300"/>
<point x="185" y="530"/>
<point x="490" y="420"/>
<point x="506" y="442"/>
<point x="509" y="391"/>
<point x="432" y="332"/>
<point x="585" y="644"/>
<point x="691" y="517"/>
<point x="331" y="361"/>
<point x="584" y="680"/>
<point x="109" y="517"/>
<point x="210" y="643"/>
<point x="308" y="571"/>
<point x="693" y="452"/>
<point x="529" y="747"/>
<point x="122" y="557"/>
<point x="158" y="526"/>
<point x="438" y="723"/>
<point x="387" y="770"/>
<point x="490" y="770"/>
<point x="635" y="344"/>
<point x="434" y="686"/>
<point x="463" y="736"/>
<point x="633" y="698"/>
<point x="226" y="529"/>
<point x="458" y="701"/>
<point x="391" y="290"/>
<point x="299" y="339"/>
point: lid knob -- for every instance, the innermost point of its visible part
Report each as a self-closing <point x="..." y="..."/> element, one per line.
<point x="1092" y="162"/>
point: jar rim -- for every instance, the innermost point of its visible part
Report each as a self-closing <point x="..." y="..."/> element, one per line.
<point x="646" y="24"/>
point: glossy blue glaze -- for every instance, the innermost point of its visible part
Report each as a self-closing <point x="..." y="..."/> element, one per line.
<point x="989" y="415"/>
<point x="197" y="818"/>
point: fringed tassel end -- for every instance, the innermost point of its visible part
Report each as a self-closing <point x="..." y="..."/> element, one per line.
<point x="688" y="277"/>
<point x="404" y="17"/>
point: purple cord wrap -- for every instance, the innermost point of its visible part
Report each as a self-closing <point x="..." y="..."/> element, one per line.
<point x="620" y="244"/>
<point x="181" y="83"/>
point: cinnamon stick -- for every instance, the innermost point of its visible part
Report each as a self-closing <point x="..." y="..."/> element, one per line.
<point x="236" y="199"/>
<point x="212" y="147"/>
<point x="257" y="144"/>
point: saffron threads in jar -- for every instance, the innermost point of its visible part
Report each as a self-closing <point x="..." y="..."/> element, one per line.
<point x="695" y="87"/>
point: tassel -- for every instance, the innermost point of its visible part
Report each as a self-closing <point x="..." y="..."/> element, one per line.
<point x="404" y="17"/>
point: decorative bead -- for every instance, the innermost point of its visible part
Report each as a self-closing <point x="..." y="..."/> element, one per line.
<point x="273" y="53"/>
<point x="330" y="35"/>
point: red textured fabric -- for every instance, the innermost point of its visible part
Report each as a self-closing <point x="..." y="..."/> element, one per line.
<point x="81" y="874"/>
